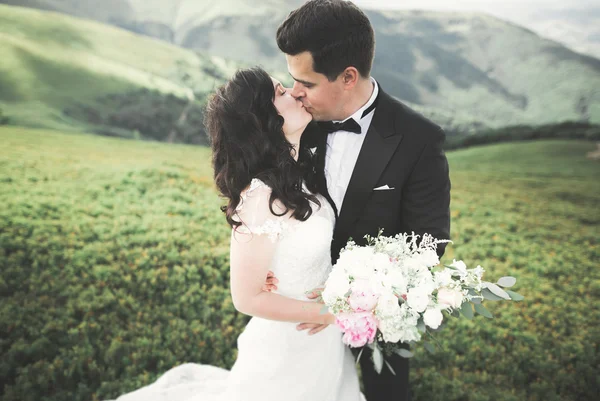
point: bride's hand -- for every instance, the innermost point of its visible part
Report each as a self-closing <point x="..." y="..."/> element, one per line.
<point x="314" y="328"/>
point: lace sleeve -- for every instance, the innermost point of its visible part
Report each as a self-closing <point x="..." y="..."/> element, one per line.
<point x="255" y="215"/>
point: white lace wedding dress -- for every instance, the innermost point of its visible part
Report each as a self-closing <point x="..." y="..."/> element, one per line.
<point x="275" y="362"/>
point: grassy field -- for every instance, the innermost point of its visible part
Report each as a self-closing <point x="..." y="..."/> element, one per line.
<point x="114" y="268"/>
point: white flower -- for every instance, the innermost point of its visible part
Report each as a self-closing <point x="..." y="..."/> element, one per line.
<point x="400" y="327"/>
<point x="390" y="329"/>
<point x="449" y="298"/>
<point x="429" y="258"/>
<point x="357" y="262"/>
<point x="460" y="266"/>
<point x="413" y="263"/>
<point x="433" y="317"/>
<point x="365" y="294"/>
<point x="336" y="286"/>
<point x="443" y="278"/>
<point x="387" y="305"/>
<point x="418" y="298"/>
<point x="396" y="279"/>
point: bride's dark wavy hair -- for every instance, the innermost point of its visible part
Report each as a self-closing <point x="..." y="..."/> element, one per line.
<point x="247" y="140"/>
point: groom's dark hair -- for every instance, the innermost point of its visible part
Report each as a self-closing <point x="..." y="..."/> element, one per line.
<point x="335" y="32"/>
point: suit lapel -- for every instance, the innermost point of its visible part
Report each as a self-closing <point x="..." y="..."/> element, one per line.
<point x="380" y="144"/>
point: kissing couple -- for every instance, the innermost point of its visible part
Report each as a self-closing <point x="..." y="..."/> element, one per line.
<point x="303" y="170"/>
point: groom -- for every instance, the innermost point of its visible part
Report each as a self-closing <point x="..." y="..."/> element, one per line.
<point x="380" y="164"/>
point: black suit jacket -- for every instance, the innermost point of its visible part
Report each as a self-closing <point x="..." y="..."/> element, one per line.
<point x="403" y="150"/>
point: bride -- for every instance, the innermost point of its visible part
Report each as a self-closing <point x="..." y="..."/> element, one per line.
<point x="279" y="224"/>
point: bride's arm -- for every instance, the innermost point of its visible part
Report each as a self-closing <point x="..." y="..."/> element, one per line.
<point x="253" y="245"/>
<point x="250" y="258"/>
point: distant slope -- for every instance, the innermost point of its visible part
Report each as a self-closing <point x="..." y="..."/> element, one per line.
<point x="51" y="62"/>
<point x="472" y="64"/>
<point x="471" y="69"/>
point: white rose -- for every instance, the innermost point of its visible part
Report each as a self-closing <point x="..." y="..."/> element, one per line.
<point x="425" y="282"/>
<point x="430" y="258"/>
<point x="418" y="299"/>
<point x="433" y="317"/>
<point x="459" y="265"/>
<point x="388" y="305"/>
<point x="358" y="265"/>
<point x="395" y="278"/>
<point x="337" y="285"/>
<point x="449" y="298"/>
<point x="380" y="262"/>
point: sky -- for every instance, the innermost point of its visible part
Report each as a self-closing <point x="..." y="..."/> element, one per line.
<point x="516" y="10"/>
<point x="575" y="23"/>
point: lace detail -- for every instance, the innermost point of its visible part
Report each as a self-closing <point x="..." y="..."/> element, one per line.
<point x="255" y="215"/>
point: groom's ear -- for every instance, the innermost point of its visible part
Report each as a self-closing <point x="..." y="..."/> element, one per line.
<point x="350" y="77"/>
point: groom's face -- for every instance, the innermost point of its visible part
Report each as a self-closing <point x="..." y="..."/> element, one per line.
<point x="320" y="97"/>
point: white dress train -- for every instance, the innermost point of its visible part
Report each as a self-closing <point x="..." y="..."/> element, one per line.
<point x="275" y="362"/>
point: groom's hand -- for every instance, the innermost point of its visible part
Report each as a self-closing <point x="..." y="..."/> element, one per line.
<point x="313" y="328"/>
<point x="270" y="282"/>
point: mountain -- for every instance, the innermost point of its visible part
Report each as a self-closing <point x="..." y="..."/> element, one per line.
<point x="64" y="72"/>
<point x="574" y="23"/>
<point x="468" y="63"/>
<point x="469" y="69"/>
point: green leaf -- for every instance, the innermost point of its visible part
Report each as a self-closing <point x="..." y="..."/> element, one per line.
<point x="421" y="326"/>
<point x="490" y="296"/>
<point x="498" y="291"/>
<point x="455" y="313"/>
<point x="507" y="281"/>
<point x="479" y="308"/>
<point x="377" y="359"/>
<point x="359" y="355"/>
<point x="429" y="347"/>
<point x="467" y="310"/>
<point x="514" y="296"/>
<point x="404" y="353"/>
<point x="474" y="294"/>
<point x="390" y="367"/>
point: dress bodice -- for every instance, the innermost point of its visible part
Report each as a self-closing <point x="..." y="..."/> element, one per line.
<point x="302" y="258"/>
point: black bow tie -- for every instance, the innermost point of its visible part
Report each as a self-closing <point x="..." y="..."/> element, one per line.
<point x="349" y="125"/>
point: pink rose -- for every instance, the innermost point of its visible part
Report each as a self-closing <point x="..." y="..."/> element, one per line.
<point x="362" y="297"/>
<point x="449" y="298"/>
<point x="359" y="328"/>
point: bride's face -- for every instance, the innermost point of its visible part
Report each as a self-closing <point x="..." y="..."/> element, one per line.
<point x="293" y="112"/>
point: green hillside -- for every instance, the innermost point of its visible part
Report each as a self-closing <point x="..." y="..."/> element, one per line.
<point x="114" y="268"/>
<point x="467" y="71"/>
<point x="55" y="68"/>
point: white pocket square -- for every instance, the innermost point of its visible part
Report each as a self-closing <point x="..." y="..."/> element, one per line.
<point x="383" y="188"/>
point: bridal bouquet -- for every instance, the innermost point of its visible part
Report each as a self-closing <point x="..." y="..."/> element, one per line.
<point x="388" y="292"/>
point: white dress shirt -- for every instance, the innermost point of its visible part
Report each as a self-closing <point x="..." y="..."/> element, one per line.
<point x="343" y="148"/>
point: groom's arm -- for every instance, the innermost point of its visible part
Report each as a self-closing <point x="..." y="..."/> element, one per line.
<point x="425" y="205"/>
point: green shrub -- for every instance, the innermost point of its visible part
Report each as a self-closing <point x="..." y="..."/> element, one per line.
<point x="566" y="130"/>
<point x="114" y="268"/>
